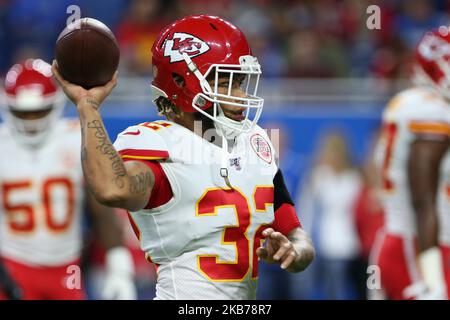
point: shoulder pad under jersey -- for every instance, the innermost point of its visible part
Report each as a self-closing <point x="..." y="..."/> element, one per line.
<point x="142" y="142"/>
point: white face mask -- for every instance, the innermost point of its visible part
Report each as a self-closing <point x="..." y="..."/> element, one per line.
<point x="229" y="128"/>
<point x="252" y="104"/>
<point x="420" y="78"/>
<point x="32" y="133"/>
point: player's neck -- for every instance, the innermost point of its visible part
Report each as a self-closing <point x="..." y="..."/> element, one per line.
<point x="201" y="127"/>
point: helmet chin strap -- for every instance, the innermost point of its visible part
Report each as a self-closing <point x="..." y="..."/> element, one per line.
<point x="224" y="162"/>
<point x="193" y="68"/>
<point x="226" y="130"/>
<point x="223" y="131"/>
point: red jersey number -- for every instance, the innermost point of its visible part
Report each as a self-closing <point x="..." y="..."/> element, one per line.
<point x="390" y="134"/>
<point x="213" y="199"/>
<point x="22" y="216"/>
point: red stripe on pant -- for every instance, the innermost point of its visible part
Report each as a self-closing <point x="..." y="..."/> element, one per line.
<point x="398" y="265"/>
<point x="445" y="253"/>
<point x="44" y="283"/>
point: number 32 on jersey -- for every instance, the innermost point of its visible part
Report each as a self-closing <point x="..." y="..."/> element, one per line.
<point x="213" y="199"/>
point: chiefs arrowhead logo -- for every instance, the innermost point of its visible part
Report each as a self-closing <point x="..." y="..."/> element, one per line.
<point x="261" y="148"/>
<point x="184" y="43"/>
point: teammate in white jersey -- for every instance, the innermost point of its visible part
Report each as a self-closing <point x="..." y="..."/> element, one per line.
<point x="42" y="194"/>
<point x="414" y="160"/>
<point x="202" y="188"/>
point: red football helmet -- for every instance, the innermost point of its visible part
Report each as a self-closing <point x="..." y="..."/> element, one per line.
<point x="30" y="88"/>
<point x="432" y="60"/>
<point x="197" y="47"/>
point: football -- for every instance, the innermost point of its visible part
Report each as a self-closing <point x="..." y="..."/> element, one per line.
<point x="87" y="53"/>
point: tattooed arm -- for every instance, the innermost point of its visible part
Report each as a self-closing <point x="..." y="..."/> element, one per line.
<point x="113" y="182"/>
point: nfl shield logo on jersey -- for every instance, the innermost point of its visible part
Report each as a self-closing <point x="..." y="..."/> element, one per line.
<point x="236" y="163"/>
<point x="261" y="147"/>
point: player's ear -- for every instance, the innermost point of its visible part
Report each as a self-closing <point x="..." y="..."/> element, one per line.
<point x="168" y="109"/>
<point x="179" y="80"/>
<point x="178" y="113"/>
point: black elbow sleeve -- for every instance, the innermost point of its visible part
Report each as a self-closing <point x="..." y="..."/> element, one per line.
<point x="281" y="193"/>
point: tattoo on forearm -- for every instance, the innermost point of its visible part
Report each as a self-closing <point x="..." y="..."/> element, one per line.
<point x="106" y="148"/>
<point x="139" y="183"/>
<point x="93" y="103"/>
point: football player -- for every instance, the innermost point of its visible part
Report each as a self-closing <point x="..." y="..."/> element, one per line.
<point x="202" y="188"/>
<point x="414" y="158"/>
<point x="43" y="192"/>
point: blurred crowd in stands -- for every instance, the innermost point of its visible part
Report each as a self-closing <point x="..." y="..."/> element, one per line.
<point x="292" y="38"/>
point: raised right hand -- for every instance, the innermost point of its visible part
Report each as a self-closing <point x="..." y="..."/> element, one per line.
<point x="78" y="94"/>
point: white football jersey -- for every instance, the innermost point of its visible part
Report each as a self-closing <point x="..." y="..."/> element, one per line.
<point x="444" y="201"/>
<point x="204" y="239"/>
<point x="41" y="197"/>
<point x="416" y="111"/>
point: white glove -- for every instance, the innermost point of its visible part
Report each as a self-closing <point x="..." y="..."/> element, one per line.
<point x="119" y="284"/>
<point x="430" y="262"/>
<point x="420" y="291"/>
<point x="432" y="285"/>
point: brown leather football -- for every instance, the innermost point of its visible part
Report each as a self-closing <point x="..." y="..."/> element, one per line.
<point x="87" y="55"/>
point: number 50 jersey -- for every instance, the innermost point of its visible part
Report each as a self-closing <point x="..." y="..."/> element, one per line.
<point x="41" y="196"/>
<point x="204" y="239"/>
